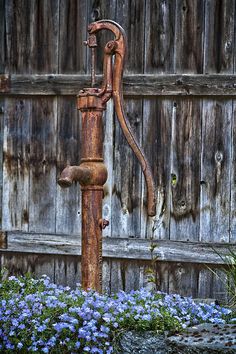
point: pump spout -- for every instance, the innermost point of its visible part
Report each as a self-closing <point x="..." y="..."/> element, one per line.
<point x="70" y="174"/>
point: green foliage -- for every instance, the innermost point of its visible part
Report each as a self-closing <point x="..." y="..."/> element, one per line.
<point x="229" y="270"/>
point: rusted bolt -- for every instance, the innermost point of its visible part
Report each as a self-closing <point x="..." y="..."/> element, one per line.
<point x="103" y="223"/>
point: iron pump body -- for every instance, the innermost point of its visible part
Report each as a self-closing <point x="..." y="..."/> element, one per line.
<point x="92" y="173"/>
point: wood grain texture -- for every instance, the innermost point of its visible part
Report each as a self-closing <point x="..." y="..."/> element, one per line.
<point x="219" y="36"/>
<point x="131" y="17"/>
<point x="32" y="39"/>
<point x="42" y="191"/>
<point x="189" y="25"/>
<point x="127" y="177"/>
<point x="134" y="85"/>
<point x="215" y="171"/>
<point x="185" y="170"/>
<point x="183" y="279"/>
<point x="219" y="44"/>
<point x="72" y="33"/>
<point x="156" y="136"/>
<point x="68" y="208"/>
<point x="2" y="36"/>
<point x="16" y="164"/>
<point x="159" y="36"/>
<point x="119" y="247"/>
<point x="109" y="121"/>
<point x="177" y="48"/>
<point x="233" y="178"/>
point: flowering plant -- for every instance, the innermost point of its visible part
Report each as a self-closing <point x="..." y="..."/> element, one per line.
<point x="38" y="316"/>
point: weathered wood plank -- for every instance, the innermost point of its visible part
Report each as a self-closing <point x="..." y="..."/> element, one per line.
<point x="130" y="15"/>
<point x="183" y="279"/>
<point x="233" y="178"/>
<point x="134" y="85"/>
<point x="2" y="109"/>
<point x="20" y="263"/>
<point x="119" y="247"/>
<point x="67" y="270"/>
<point x="189" y="24"/>
<point x="32" y="36"/>
<point x="215" y="171"/>
<point x="219" y="51"/>
<point x="108" y="144"/>
<point x="2" y="36"/>
<point x="68" y="209"/>
<point x="127" y="177"/>
<point x="205" y="283"/>
<point x="73" y="28"/>
<point x="219" y="36"/>
<point x="16" y="164"/>
<point x="159" y="36"/>
<point x="42" y="192"/>
<point x="157" y="115"/>
<point x="185" y="170"/>
<point x="2" y="101"/>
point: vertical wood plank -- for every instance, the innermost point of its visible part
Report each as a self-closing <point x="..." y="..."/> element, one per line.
<point x="127" y="178"/>
<point x="42" y="193"/>
<point x="44" y="33"/>
<point x="205" y="283"/>
<point x="159" y="36"/>
<point x="189" y="25"/>
<point x="156" y="139"/>
<point x="20" y="264"/>
<point x="106" y="276"/>
<point x="220" y="286"/>
<point x="2" y="100"/>
<point x="215" y="171"/>
<point x="132" y="276"/>
<point x="117" y="279"/>
<point x="73" y="31"/>
<point x="219" y="36"/>
<point x="2" y="109"/>
<point x="67" y="271"/>
<point x="233" y="178"/>
<point x="233" y="157"/>
<point x="2" y="36"/>
<point x="68" y="211"/>
<point x="183" y="279"/>
<point x="185" y="170"/>
<point x="219" y="44"/>
<point x="131" y="16"/>
<point x="188" y="58"/>
<point x="16" y="169"/>
<point x="32" y="32"/>
<point x="108" y="120"/>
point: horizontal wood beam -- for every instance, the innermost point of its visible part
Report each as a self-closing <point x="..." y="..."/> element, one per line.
<point x="134" y="85"/>
<point x="124" y="248"/>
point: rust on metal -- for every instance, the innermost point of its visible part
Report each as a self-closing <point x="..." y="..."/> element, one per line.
<point x="3" y="240"/>
<point x="4" y="83"/>
<point x="92" y="173"/>
<point x="103" y="223"/>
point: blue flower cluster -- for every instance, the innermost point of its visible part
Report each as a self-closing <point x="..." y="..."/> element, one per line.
<point x="37" y="316"/>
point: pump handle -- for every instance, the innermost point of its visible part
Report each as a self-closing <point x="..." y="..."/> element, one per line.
<point x="112" y="85"/>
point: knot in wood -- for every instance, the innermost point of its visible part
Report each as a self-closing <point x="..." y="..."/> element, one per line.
<point x="218" y="156"/>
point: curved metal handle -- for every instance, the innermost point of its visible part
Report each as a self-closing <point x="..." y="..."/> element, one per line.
<point x="117" y="47"/>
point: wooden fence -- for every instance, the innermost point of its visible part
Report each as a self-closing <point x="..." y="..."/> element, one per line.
<point x="180" y="97"/>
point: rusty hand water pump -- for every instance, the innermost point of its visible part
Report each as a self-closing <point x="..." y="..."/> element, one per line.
<point x="92" y="173"/>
